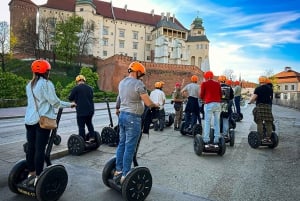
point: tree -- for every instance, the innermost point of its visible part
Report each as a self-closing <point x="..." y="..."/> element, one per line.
<point x="86" y="37"/>
<point x="229" y="74"/>
<point x="66" y="38"/>
<point x="4" y="42"/>
<point x="46" y="32"/>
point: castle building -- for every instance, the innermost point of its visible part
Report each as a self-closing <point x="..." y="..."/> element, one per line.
<point x="119" y="31"/>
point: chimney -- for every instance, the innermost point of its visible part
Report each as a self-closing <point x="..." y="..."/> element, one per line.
<point x="168" y="16"/>
<point x="162" y="16"/>
<point x="173" y="18"/>
<point x="152" y="12"/>
<point x="287" y="68"/>
<point x="125" y="7"/>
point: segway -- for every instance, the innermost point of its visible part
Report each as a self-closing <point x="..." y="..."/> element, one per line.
<point x="110" y="134"/>
<point x="77" y="145"/>
<point x="210" y="147"/>
<point x="196" y="129"/>
<point x="138" y="182"/>
<point x="237" y="117"/>
<point x="255" y="141"/>
<point x="51" y="183"/>
<point x="169" y="119"/>
<point x="230" y="135"/>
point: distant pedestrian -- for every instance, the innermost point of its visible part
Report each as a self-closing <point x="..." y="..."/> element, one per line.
<point x="159" y="98"/>
<point x="82" y="94"/>
<point x="178" y="106"/>
<point x="237" y="97"/>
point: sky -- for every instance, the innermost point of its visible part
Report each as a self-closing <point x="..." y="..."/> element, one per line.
<point x="250" y="38"/>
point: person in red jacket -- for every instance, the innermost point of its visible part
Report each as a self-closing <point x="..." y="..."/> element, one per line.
<point x="211" y="95"/>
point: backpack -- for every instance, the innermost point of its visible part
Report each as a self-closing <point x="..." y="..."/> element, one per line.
<point x="225" y="93"/>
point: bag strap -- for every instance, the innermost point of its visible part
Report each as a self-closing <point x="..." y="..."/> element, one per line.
<point x="36" y="106"/>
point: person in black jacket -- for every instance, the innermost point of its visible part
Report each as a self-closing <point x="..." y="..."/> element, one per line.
<point x="83" y="95"/>
<point x="227" y="97"/>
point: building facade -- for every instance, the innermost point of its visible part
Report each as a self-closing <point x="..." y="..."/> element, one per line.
<point x="119" y="31"/>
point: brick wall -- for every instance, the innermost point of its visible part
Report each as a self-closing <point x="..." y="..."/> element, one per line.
<point x="112" y="70"/>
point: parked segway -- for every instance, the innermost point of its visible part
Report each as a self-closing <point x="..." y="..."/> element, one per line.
<point x="51" y="183"/>
<point x="138" y="182"/>
<point x="77" y="145"/>
<point x="255" y="141"/>
<point x="110" y="134"/>
<point x="169" y="119"/>
<point x="196" y="129"/>
<point x="210" y="147"/>
<point x="237" y="117"/>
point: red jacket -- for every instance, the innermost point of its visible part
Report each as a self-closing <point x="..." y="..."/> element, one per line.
<point x="210" y="91"/>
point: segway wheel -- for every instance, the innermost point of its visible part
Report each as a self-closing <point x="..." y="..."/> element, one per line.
<point x="232" y="138"/>
<point x="254" y="139"/>
<point x="98" y="139"/>
<point x="76" y="145"/>
<point x="108" y="135"/>
<point x="198" y="144"/>
<point x="51" y="183"/>
<point x="170" y="119"/>
<point x="57" y="140"/>
<point x="275" y="140"/>
<point x="182" y="127"/>
<point x="108" y="171"/>
<point x="232" y="123"/>
<point x="197" y="129"/>
<point x="137" y="184"/>
<point x="18" y="173"/>
<point x="235" y="116"/>
<point x="222" y="146"/>
<point x="241" y="116"/>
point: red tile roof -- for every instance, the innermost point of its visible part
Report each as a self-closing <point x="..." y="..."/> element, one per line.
<point x="105" y="9"/>
<point x="289" y="76"/>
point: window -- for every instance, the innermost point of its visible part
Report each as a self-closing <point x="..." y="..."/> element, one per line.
<point x="286" y="87"/>
<point x="148" y="58"/>
<point x="135" y="45"/>
<point x="81" y="9"/>
<point x="122" y="33"/>
<point x="135" y="35"/>
<point x="135" y="56"/>
<point x="105" y="41"/>
<point x="148" y="47"/>
<point x="121" y="43"/>
<point x="105" y="30"/>
<point x="292" y="87"/>
<point x="104" y="53"/>
<point x="148" y="37"/>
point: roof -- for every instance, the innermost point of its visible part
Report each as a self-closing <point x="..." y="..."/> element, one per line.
<point x="105" y="9"/>
<point x="289" y="76"/>
<point x="27" y="1"/>
<point x="197" y="38"/>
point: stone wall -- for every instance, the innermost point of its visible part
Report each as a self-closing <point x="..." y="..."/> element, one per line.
<point x="112" y="70"/>
<point x="292" y="101"/>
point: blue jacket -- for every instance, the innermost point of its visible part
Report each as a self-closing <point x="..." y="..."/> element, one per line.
<point x="46" y="100"/>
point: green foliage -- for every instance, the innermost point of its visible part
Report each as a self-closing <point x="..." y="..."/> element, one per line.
<point x="66" y="37"/>
<point x="12" y="89"/>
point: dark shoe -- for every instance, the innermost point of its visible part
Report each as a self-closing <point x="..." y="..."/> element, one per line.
<point x="161" y="129"/>
<point x="30" y="181"/>
<point x="117" y="177"/>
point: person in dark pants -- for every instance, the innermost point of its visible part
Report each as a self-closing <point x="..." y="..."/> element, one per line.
<point x="83" y="95"/>
<point x="237" y="97"/>
<point x="263" y="111"/>
<point x="41" y="101"/>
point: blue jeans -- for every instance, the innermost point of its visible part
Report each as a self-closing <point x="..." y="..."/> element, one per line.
<point x="237" y="102"/>
<point x="225" y="125"/>
<point x="130" y="130"/>
<point x="212" y="109"/>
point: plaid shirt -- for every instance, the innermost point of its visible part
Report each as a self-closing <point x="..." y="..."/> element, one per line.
<point x="263" y="112"/>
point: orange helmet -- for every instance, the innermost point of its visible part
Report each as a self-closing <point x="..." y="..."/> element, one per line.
<point x="80" y="77"/>
<point x="137" y="67"/>
<point x="194" y="78"/>
<point x="228" y="82"/>
<point x="162" y="83"/>
<point x="236" y="83"/>
<point x="40" y="66"/>
<point x="158" y="85"/>
<point x="208" y="75"/>
<point x="222" y="78"/>
<point x="262" y="79"/>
